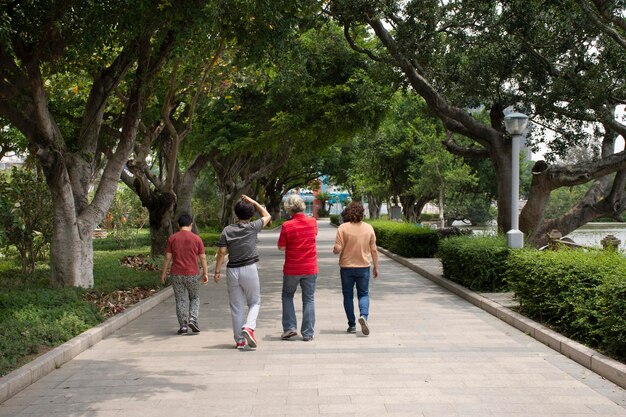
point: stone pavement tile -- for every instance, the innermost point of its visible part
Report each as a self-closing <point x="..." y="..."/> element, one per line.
<point x="549" y="408"/>
<point x="183" y="410"/>
<point x="420" y="407"/>
<point x="11" y="410"/>
<point x="606" y="409"/>
<point x="302" y="409"/>
<point x="89" y="413"/>
<point x="352" y="408"/>
<point x="322" y="399"/>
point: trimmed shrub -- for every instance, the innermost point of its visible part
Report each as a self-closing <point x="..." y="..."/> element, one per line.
<point x="40" y="317"/>
<point x="582" y="294"/>
<point x="404" y="239"/>
<point x="478" y="263"/>
<point x="334" y="219"/>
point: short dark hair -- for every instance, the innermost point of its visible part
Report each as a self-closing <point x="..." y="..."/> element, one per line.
<point x="244" y="210"/>
<point x="184" y="220"/>
<point x="353" y="212"/>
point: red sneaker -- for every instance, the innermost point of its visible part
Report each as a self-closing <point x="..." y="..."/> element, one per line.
<point x="249" y="335"/>
<point x="241" y="344"/>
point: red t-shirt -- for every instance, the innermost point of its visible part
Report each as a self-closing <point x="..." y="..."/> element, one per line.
<point x="185" y="247"/>
<point x="298" y="237"/>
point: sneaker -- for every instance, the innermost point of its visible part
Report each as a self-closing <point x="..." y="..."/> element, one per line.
<point x="307" y="338"/>
<point x="287" y="334"/>
<point x="364" y="328"/>
<point x="193" y="325"/>
<point x="241" y="344"/>
<point x="249" y="335"/>
<point x="351" y="329"/>
<point x="183" y="329"/>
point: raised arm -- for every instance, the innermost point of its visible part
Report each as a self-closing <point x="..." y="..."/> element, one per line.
<point x="264" y="213"/>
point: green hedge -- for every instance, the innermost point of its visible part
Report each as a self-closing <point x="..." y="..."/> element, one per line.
<point x="404" y="239"/>
<point x="478" y="263"/>
<point x="334" y="219"/>
<point x="581" y="294"/>
<point x="40" y="317"/>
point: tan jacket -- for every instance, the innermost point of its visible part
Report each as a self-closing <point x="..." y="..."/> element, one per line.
<point x="355" y="242"/>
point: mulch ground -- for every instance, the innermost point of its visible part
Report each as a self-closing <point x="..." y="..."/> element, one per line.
<point x="110" y="304"/>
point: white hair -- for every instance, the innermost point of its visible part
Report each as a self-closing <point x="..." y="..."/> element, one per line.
<point x="294" y="204"/>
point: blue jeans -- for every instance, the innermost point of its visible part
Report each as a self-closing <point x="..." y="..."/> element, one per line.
<point x="290" y="285"/>
<point x="360" y="277"/>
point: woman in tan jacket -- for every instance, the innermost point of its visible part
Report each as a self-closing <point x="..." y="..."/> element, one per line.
<point x="356" y="245"/>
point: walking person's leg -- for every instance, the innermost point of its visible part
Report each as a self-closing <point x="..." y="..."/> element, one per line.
<point x="249" y="282"/>
<point x="347" y="288"/>
<point x="237" y="301"/>
<point x="290" y="324"/>
<point x="308" y="306"/>
<point x="182" y="301"/>
<point x="362" y="279"/>
<point x="193" y="288"/>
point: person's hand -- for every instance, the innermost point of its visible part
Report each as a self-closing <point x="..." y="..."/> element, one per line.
<point x="246" y="198"/>
<point x="375" y="272"/>
<point x="163" y="279"/>
<point x="205" y="278"/>
<point x="216" y="277"/>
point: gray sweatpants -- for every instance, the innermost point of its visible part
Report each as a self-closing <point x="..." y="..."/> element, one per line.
<point x="243" y="289"/>
<point x="187" y="295"/>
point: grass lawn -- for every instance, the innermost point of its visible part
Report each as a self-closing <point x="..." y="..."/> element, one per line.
<point x="35" y="317"/>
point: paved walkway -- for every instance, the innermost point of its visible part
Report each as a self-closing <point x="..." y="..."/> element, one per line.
<point x="429" y="354"/>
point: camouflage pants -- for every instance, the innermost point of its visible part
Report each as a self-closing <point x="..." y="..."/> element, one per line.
<point x="187" y="296"/>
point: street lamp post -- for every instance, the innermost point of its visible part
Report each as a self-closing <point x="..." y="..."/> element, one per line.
<point x="515" y="124"/>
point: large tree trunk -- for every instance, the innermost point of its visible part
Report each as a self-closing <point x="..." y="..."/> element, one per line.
<point x="373" y="206"/>
<point x="500" y="156"/>
<point x="71" y="247"/>
<point x="184" y="188"/>
<point x="161" y="210"/>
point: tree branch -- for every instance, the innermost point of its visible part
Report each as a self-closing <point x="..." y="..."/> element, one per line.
<point x="354" y="46"/>
<point x="456" y="149"/>
<point x="562" y="176"/>
<point x="599" y="18"/>
<point x="482" y="134"/>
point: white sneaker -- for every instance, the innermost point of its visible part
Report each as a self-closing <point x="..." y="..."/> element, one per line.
<point x="364" y="327"/>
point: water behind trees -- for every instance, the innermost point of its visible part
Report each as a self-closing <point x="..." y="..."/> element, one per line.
<point x="589" y="235"/>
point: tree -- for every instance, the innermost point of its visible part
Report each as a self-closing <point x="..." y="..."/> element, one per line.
<point x="167" y="193"/>
<point x="460" y="55"/>
<point x="105" y="47"/>
<point x="316" y="92"/>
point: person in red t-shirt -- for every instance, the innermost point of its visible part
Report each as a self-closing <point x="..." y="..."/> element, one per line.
<point x="297" y="239"/>
<point x="183" y="249"/>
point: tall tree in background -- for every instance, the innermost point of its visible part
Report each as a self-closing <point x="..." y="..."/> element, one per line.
<point x="315" y="93"/>
<point x="164" y="183"/>
<point x="459" y="55"/>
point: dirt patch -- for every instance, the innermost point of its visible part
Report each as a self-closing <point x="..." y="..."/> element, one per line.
<point x="110" y="304"/>
<point x="139" y="263"/>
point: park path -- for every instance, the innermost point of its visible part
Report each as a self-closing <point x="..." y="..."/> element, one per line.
<point x="430" y="353"/>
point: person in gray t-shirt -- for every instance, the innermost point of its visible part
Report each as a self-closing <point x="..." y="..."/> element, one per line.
<point x="239" y="241"/>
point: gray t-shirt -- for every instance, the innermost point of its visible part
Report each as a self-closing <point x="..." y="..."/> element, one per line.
<point x="240" y="239"/>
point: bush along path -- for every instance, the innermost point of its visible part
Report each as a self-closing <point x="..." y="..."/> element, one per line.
<point x="35" y="319"/>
